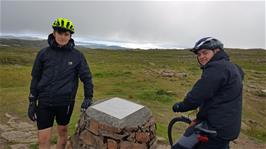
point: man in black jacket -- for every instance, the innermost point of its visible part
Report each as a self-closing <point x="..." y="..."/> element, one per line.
<point x="218" y="94"/>
<point x="55" y="76"/>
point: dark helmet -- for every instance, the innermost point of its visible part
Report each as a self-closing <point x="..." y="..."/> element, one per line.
<point x="207" y="43"/>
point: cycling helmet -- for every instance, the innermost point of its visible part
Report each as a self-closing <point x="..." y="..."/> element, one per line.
<point x="63" y="24"/>
<point x="207" y="43"/>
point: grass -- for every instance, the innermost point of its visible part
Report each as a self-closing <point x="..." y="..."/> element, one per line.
<point x="135" y="75"/>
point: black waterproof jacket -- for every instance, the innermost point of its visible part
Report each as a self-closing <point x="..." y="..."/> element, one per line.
<point x="55" y="74"/>
<point x="218" y="94"/>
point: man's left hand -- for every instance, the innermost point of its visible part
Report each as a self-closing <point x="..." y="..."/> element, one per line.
<point x="85" y="104"/>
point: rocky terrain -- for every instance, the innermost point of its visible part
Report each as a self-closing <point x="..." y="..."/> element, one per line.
<point x="18" y="134"/>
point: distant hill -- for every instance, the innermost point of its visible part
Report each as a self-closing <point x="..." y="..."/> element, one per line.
<point x="22" y="43"/>
<point x="100" y="46"/>
<point x="33" y="42"/>
<point x="40" y="43"/>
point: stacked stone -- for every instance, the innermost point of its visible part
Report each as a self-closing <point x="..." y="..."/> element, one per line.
<point x="99" y="131"/>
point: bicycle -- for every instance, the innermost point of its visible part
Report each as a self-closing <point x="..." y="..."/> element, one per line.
<point x="201" y="132"/>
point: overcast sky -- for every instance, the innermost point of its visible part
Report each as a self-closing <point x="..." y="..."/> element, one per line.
<point x="239" y="24"/>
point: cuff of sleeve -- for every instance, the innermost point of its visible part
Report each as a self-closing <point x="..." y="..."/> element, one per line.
<point x="32" y="98"/>
<point x="88" y="99"/>
<point x="181" y="107"/>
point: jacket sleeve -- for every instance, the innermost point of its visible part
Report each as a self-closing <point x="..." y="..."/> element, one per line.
<point x="241" y="72"/>
<point x="36" y="76"/>
<point x="204" y="89"/>
<point x="86" y="77"/>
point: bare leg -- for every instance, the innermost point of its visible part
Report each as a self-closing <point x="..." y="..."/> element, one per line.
<point x="44" y="137"/>
<point x="62" y="136"/>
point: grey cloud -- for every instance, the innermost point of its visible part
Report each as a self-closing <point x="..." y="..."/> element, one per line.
<point x="237" y="24"/>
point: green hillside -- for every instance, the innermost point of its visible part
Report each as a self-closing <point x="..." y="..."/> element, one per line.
<point x="154" y="78"/>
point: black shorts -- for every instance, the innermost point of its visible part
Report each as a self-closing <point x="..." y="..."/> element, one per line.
<point x="46" y="113"/>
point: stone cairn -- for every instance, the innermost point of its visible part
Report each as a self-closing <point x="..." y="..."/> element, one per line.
<point x="99" y="128"/>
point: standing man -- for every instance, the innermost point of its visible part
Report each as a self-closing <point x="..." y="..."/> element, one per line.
<point x="55" y="77"/>
<point x="218" y="94"/>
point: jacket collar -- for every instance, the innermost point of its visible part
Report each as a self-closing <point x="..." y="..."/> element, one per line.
<point x="220" y="55"/>
<point x="52" y="43"/>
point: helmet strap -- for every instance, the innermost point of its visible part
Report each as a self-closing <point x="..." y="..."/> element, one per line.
<point x="215" y="50"/>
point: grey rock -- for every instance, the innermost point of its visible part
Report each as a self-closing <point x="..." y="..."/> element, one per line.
<point x="23" y="126"/>
<point x="19" y="136"/>
<point x="2" y="141"/>
<point x="19" y="146"/>
<point x="4" y="128"/>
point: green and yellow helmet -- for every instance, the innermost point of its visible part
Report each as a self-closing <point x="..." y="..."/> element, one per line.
<point x="63" y="24"/>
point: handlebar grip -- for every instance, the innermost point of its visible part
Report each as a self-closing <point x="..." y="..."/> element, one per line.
<point x="205" y="131"/>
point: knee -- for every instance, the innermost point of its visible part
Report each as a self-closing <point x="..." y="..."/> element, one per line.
<point x="43" y="139"/>
<point x="62" y="131"/>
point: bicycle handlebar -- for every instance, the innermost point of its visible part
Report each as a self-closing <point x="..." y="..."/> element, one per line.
<point x="172" y="122"/>
<point x="199" y="127"/>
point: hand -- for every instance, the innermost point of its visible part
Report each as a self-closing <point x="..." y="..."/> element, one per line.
<point x="176" y="107"/>
<point x="85" y="104"/>
<point x="193" y="123"/>
<point x="32" y="110"/>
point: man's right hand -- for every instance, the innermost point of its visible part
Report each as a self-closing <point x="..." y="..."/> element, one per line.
<point x="32" y="110"/>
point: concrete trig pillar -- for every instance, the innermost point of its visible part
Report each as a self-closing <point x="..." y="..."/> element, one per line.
<point x="115" y="124"/>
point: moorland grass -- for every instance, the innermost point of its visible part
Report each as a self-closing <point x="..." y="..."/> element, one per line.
<point x="136" y="75"/>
